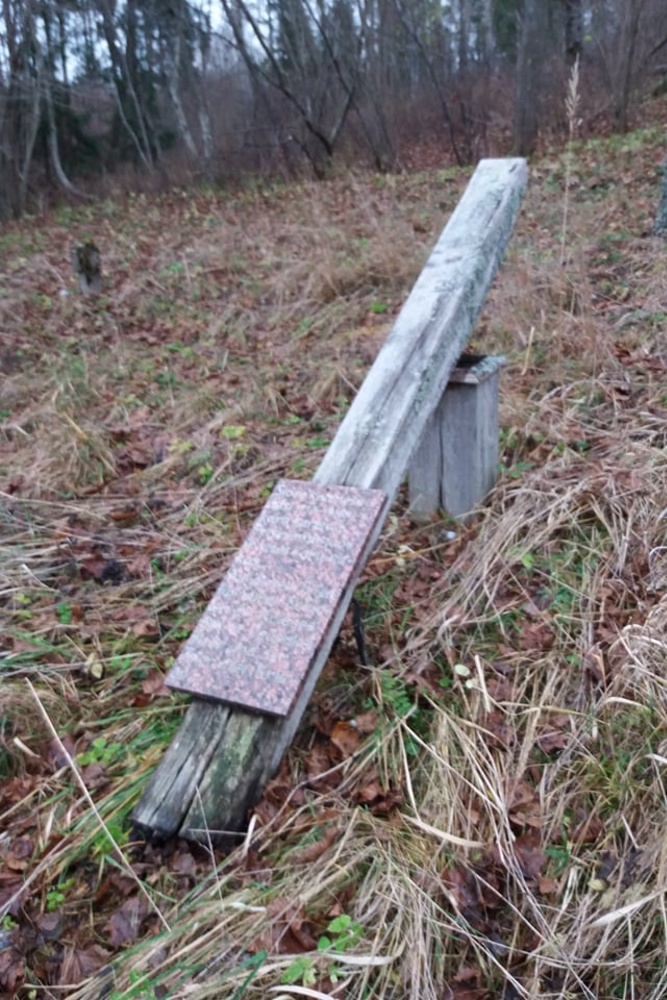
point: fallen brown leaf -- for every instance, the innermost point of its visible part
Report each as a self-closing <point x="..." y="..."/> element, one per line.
<point x="124" y="926"/>
<point x="346" y="737"/>
<point x="318" y="848"/>
<point x="79" y="963"/>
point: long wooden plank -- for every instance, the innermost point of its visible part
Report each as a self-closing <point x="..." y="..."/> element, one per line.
<point x="221" y="758"/>
<point x="389" y="414"/>
<point x="371" y="449"/>
<point x="174" y="784"/>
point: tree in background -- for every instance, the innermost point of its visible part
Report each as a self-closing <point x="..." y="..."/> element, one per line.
<point x="87" y="86"/>
<point x="574" y="30"/>
<point x="182" y="39"/>
<point x="531" y="54"/>
<point x="20" y="103"/>
<point x="307" y="56"/>
<point x="623" y="32"/>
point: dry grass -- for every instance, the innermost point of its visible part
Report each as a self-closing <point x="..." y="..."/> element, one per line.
<point x="527" y="855"/>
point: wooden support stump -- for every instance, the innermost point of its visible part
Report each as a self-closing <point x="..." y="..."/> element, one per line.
<point x="455" y="464"/>
<point x="87" y="265"/>
<point x="216" y="768"/>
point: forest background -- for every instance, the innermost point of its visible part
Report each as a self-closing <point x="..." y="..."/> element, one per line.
<point x="480" y="811"/>
<point x="148" y="93"/>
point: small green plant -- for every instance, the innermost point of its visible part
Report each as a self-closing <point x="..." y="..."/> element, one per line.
<point x="103" y="844"/>
<point x="395" y="694"/>
<point x="205" y="473"/>
<point x="101" y="751"/>
<point x="176" y="268"/>
<point x="233" y="432"/>
<point x="140" y="989"/>
<point x="56" y="896"/>
<point x="342" y="934"/>
<point x="121" y="661"/>
<point x="22" y="606"/>
<point x="516" y="471"/>
<point x="180" y="632"/>
<point x="395" y="700"/>
<point x="64" y="612"/>
<point x="560" y="855"/>
<point x="379" y="308"/>
<point x="342" y="406"/>
<point x="302" y="970"/>
<point x="183" y="349"/>
<point x="166" y="379"/>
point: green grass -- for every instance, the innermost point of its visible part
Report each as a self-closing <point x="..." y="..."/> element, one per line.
<point x="459" y="813"/>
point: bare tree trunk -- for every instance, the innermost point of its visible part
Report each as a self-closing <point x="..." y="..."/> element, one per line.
<point x="532" y="49"/>
<point x="320" y="114"/>
<point x="464" y="35"/>
<point x="625" y="41"/>
<point x="437" y="82"/>
<point x="574" y="30"/>
<point x="123" y="79"/>
<point x="54" y="148"/>
<point x="48" y="84"/>
<point x="206" y="129"/>
<point x="31" y="127"/>
<point x="177" y="28"/>
<point x="20" y="106"/>
<point x="203" y="116"/>
<point x="19" y="124"/>
<point x="625" y="62"/>
<point x="173" y="85"/>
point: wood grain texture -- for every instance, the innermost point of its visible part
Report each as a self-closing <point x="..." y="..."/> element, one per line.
<point x="221" y="758"/>
<point x="387" y="418"/>
<point x="234" y="751"/>
<point x="455" y="464"/>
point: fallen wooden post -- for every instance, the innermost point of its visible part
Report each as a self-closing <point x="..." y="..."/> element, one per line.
<point x="218" y="763"/>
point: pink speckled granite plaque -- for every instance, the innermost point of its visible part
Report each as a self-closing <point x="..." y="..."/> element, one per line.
<point x="264" y="626"/>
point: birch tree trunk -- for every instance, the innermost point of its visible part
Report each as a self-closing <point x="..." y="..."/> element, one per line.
<point x="173" y="84"/>
<point x="123" y="83"/>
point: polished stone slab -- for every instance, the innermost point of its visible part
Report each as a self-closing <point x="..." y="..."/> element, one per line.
<point x="262" y="630"/>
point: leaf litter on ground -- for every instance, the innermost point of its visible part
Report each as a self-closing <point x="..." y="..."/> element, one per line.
<point x="482" y="802"/>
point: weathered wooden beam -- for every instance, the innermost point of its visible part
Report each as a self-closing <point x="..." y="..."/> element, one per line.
<point x="221" y="758"/>
<point x="217" y="765"/>
<point x="376" y="440"/>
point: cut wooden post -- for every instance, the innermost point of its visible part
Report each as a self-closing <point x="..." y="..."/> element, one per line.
<point x="212" y="794"/>
<point x="87" y="264"/>
<point x="456" y="462"/>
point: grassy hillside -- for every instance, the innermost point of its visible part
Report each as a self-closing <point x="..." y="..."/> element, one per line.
<point x="481" y="812"/>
